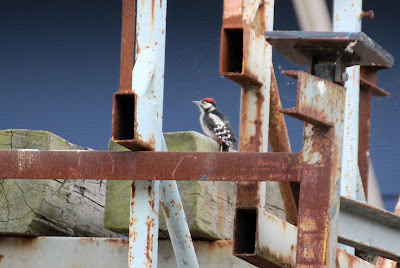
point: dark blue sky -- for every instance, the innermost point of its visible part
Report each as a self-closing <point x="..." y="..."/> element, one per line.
<point x="59" y="66"/>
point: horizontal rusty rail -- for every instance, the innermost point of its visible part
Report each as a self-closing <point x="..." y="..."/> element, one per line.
<point x="32" y="164"/>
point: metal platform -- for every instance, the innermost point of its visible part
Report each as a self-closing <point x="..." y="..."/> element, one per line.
<point x="355" y="47"/>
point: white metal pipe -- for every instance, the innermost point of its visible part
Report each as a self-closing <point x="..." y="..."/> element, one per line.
<point x="346" y="17"/>
<point x="312" y="15"/>
<point x="175" y="218"/>
<point x="177" y="225"/>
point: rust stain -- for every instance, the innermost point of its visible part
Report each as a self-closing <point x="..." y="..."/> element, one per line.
<point x="134" y="236"/>
<point x="165" y="209"/>
<point x="87" y="240"/>
<point x="151" y="199"/>
<point x="153" y="4"/>
<point x="272" y="258"/>
<point x="117" y="241"/>
<point x="1" y="257"/>
<point x="133" y="221"/>
<point x="221" y="244"/>
<point x="224" y="243"/>
<point x="150" y="223"/>
<point x="28" y="241"/>
<point x="133" y="192"/>
<point x="308" y="224"/>
<point x="179" y="206"/>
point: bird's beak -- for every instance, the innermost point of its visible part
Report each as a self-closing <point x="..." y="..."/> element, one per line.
<point x="197" y="103"/>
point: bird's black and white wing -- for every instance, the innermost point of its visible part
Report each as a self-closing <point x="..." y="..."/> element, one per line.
<point x="218" y="125"/>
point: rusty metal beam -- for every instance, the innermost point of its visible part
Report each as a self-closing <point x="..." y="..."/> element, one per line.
<point x="127" y="42"/>
<point x="321" y="105"/>
<point x="279" y="141"/>
<point x="32" y="164"/>
<point x="368" y="89"/>
<point x="246" y="59"/>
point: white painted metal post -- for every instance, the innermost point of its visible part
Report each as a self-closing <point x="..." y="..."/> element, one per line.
<point x="347" y="17"/>
<point x="148" y="84"/>
<point x="178" y="228"/>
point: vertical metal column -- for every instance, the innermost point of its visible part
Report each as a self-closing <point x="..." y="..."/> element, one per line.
<point x="321" y="171"/>
<point x="148" y="85"/>
<point x="246" y="59"/>
<point x="347" y="17"/>
<point x="254" y="123"/>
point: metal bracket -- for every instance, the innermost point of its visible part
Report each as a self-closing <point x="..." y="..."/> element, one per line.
<point x="328" y="53"/>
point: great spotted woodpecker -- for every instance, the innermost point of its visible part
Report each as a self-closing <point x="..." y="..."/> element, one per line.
<point x="215" y="124"/>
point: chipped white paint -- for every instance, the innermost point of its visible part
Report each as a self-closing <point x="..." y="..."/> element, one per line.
<point x="321" y="87"/>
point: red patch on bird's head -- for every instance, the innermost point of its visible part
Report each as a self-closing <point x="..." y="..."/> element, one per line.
<point x="210" y="100"/>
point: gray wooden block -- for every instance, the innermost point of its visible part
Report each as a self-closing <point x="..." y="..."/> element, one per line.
<point x="49" y="207"/>
<point x="209" y="206"/>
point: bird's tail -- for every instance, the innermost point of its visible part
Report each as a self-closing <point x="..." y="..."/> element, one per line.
<point x="224" y="148"/>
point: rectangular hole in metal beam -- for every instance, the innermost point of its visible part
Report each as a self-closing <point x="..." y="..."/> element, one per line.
<point x="123" y="117"/>
<point x="232" y="51"/>
<point x="245" y="231"/>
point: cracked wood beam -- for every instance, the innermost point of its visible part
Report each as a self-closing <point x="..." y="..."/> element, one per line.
<point x="49" y="207"/>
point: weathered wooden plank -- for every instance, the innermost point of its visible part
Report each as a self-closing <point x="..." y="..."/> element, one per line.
<point x="209" y="206"/>
<point x="49" y="207"/>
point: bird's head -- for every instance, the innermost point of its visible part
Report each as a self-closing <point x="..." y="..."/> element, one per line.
<point x="206" y="104"/>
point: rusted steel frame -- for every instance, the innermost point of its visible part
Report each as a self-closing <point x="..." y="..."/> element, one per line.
<point x="127" y="43"/>
<point x="112" y="165"/>
<point x="368" y="89"/>
<point x="365" y="125"/>
<point x="321" y="105"/>
<point x="246" y="59"/>
<point x="279" y="142"/>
